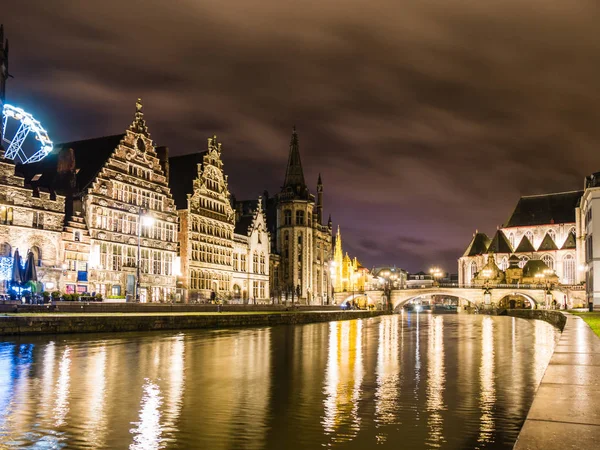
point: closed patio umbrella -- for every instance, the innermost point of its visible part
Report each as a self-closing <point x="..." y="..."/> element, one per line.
<point x="17" y="271"/>
<point x="30" y="272"/>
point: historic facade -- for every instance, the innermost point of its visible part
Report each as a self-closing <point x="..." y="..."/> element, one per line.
<point x="542" y="227"/>
<point x="303" y="243"/>
<point x="218" y="253"/>
<point x="117" y="203"/>
<point x="31" y="219"/>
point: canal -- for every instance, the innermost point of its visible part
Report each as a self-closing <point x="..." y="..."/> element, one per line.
<point x="414" y="381"/>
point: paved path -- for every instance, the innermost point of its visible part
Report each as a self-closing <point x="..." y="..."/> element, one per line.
<point x="565" y="413"/>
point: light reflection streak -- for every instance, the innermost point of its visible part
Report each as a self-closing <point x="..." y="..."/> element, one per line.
<point x="343" y="381"/>
<point x="96" y="424"/>
<point x="436" y="379"/>
<point x="148" y="431"/>
<point x="176" y="384"/>
<point x="544" y="347"/>
<point x="61" y="409"/>
<point x="487" y="397"/>
<point x="47" y="378"/>
<point x="387" y="394"/>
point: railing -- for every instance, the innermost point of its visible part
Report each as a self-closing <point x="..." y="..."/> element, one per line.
<point x="572" y="287"/>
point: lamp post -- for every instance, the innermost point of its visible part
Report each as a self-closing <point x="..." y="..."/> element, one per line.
<point x="147" y="220"/>
<point x="436" y="273"/>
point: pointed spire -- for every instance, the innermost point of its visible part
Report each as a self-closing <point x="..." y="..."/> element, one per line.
<point x="139" y="124"/>
<point x="294" y="176"/>
<point x="319" y="182"/>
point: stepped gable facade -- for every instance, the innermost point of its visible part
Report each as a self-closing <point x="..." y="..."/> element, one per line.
<point x="218" y="253"/>
<point x="112" y="184"/>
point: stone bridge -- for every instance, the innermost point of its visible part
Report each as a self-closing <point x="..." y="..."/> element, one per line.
<point x="472" y="295"/>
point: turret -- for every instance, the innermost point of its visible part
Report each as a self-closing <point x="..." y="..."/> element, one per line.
<point x="319" y="201"/>
<point x="294" y="185"/>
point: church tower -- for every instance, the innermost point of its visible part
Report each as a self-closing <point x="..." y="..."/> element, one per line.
<point x="338" y="262"/>
<point x="3" y="76"/>
<point x="294" y="227"/>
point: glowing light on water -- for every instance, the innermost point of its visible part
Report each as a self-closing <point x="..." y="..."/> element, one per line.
<point x="148" y="431"/>
<point x="62" y="388"/>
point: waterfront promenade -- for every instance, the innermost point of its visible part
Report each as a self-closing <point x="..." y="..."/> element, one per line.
<point x="565" y="413"/>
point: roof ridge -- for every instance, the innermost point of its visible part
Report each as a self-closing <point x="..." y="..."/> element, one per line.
<point x="62" y="144"/>
<point x="551" y="193"/>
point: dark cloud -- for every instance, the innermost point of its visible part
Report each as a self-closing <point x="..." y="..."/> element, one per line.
<point x="426" y="119"/>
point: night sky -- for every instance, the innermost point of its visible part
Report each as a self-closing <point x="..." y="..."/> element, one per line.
<point x="427" y="119"/>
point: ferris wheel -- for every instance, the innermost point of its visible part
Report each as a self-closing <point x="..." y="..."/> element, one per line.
<point x="20" y="146"/>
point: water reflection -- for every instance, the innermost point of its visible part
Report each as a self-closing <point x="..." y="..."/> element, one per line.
<point x="409" y="381"/>
<point x="343" y="382"/>
<point x="436" y="380"/>
<point x="487" y="398"/>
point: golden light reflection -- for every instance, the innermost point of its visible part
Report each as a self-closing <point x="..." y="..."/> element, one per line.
<point x="487" y="397"/>
<point x="47" y="379"/>
<point x="95" y="426"/>
<point x="387" y="393"/>
<point x="343" y="381"/>
<point x="436" y="380"/>
<point x="61" y="408"/>
<point x="148" y="431"/>
<point x="176" y="384"/>
<point x="544" y="340"/>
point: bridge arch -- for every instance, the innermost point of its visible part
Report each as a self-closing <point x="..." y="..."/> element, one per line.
<point x="356" y="296"/>
<point x="505" y="301"/>
<point x="400" y="301"/>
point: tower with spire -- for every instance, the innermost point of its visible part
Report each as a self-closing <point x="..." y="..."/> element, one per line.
<point x="302" y="241"/>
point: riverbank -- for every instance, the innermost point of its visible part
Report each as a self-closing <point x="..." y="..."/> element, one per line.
<point x="58" y="323"/>
<point x="565" y="412"/>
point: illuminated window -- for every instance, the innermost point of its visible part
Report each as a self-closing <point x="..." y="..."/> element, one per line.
<point x="37" y="255"/>
<point x="549" y="261"/>
<point x="569" y="269"/>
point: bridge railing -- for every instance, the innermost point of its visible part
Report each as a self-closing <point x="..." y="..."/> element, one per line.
<point x="572" y="287"/>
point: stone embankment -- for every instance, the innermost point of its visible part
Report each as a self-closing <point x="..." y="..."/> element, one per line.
<point x="555" y="318"/>
<point x="565" y="413"/>
<point x="28" y="324"/>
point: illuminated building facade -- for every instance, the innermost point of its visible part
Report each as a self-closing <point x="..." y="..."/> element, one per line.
<point x="347" y="274"/>
<point x="218" y="253"/>
<point x="541" y="227"/>
<point x="303" y="243"/>
<point x="31" y="219"/>
<point x="111" y="184"/>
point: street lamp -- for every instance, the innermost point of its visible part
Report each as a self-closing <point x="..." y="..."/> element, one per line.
<point x="435" y="272"/>
<point x="144" y="219"/>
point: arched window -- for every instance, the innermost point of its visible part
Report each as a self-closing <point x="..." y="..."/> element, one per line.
<point x="552" y="234"/>
<point x="5" y="249"/>
<point x="504" y="263"/>
<point x="571" y="230"/>
<point x="529" y="235"/>
<point x="549" y="261"/>
<point x="472" y="271"/>
<point x="37" y="255"/>
<point x="569" y="269"/>
<point x="522" y="261"/>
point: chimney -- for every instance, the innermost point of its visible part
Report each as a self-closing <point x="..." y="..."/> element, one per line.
<point x="163" y="157"/>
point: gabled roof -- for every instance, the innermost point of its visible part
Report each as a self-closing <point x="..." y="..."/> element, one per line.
<point x="183" y="170"/>
<point x="570" y="242"/>
<point x="545" y="209"/>
<point x="87" y="159"/>
<point x="547" y="244"/>
<point x="478" y="245"/>
<point x="500" y="244"/>
<point x="525" y="246"/>
<point x="534" y="266"/>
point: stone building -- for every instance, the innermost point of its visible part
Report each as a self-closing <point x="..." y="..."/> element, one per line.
<point x="31" y="219"/>
<point x="118" y="201"/>
<point x="218" y="253"/>
<point x="303" y="243"/>
<point x="541" y="227"/>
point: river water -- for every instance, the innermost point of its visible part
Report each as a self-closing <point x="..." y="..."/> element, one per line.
<point x="411" y="381"/>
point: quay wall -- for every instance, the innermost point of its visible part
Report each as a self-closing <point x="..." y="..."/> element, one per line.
<point x="89" y="323"/>
<point x="555" y="318"/>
